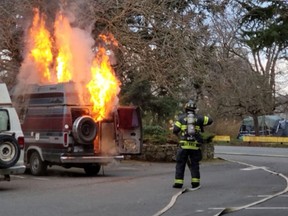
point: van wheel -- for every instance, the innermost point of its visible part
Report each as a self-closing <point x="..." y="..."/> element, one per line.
<point x="9" y="151"/>
<point x="37" y="166"/>
<point x="92" y="169"/>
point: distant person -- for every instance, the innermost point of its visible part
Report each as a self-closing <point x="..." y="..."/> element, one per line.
<point x="189" y="126"/>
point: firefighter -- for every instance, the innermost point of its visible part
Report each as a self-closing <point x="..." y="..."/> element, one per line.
<point x="189" y="126"/>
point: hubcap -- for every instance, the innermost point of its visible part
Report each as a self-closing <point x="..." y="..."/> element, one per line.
<point x="7" y="152"/>
<point x="35" y="163"/>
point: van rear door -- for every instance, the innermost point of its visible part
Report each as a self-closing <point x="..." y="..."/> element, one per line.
<point x="129" y="133"/>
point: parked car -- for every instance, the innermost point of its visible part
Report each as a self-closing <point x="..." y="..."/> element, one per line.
<point x="11" y="138"/>
<point x="59" y="130"/>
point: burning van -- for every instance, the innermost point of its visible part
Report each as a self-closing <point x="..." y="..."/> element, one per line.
<point x="59" y="129"/>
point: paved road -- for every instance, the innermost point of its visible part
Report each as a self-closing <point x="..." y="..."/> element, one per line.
<point x="134" y="188"/>
<point x="254" y="151"/>
<point x="270" y="160"/>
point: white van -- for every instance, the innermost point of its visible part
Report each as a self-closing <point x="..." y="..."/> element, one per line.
<point x="11" y="138"/>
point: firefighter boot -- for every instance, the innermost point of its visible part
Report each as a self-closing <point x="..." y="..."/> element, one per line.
<point x="195" y="185"/>
<point x="177" y="185"/>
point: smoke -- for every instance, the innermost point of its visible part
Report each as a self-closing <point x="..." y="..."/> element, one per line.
<point x="63" y="50"/>
<point x="66" y="34"/>
<point x="78" y="42"/>
<point x="81" y="48"/>
<point x="107" y="139"/>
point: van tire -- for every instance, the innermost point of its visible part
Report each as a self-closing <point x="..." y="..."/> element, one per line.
<point x="9" y="151"/>
<point x="37" y="166"/>
<point x="84" y="130"/>
<point x="92" y="169"/>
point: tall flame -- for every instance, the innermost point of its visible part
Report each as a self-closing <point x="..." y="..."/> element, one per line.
<point x="40" y="45"/>
<point x="64" y="59"/>
<point x="104" y="86"/>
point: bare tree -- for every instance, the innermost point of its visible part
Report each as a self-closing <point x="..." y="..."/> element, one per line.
<point x="158" y="45"/>
<point x="166" y="51"/>
<point x="9" y="42"/>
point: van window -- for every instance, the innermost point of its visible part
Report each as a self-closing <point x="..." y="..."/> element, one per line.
<point x="55" y="98"/>
<point x="4" y="120"/>
<point x="50" y="98"/>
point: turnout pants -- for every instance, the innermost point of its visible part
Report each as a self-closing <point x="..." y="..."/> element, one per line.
<point x="192" y="158"/>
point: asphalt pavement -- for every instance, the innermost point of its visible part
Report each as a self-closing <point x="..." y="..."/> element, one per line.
<point x="239" y="181"/>
<point x="230" y="185"/>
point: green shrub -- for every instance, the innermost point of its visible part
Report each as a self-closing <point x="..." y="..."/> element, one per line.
<point x="155" y="134"/>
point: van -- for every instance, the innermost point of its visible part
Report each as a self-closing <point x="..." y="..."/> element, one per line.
<point x="59" y="130"/>
<point x="11" y="138"/>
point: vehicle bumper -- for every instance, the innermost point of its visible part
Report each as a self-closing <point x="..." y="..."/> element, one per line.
<point x="18" y="169"/>
<point x="90" y="159"/>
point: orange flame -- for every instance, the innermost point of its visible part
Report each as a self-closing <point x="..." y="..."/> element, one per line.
<point x="109" y="39"/>
<point x="104" y="86"/>
<point x="40" y="45"/>
<point x="64" y="58"/>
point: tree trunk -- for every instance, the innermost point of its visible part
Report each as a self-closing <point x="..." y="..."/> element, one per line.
<point x="256" y="125"/>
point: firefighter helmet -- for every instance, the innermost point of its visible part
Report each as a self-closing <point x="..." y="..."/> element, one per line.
<point x="190" y="106"/>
